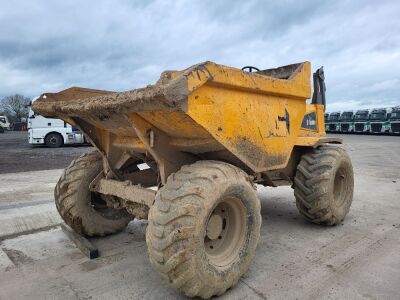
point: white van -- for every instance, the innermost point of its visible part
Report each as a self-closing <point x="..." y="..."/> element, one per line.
<point x="51" y="132"/>
<point x="4" y="122"/>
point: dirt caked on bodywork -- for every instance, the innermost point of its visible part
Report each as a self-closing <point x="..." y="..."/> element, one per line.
<point x="207" y="111"/>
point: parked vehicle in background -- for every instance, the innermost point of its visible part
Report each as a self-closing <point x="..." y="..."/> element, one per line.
<point x="4" y="123"/>
<point x="334" y="122"/>
<point x="51" y="132"/>
<point x="379" y="120"/>
<point x="326" y="117"/>
<point x="394" y="120"/>
<point x="361" y="121"/>
<point x="346" y="121"/>
<point x="1" y="129"/>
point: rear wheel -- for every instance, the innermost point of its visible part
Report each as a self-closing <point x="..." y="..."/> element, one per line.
<point x="324" y="185"/>
<point x="53" y="140"/>
<point x="84" y="211"/>
<point x="204" y="228"/>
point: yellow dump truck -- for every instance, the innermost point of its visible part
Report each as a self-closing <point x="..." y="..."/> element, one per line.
<point x="208" y="135"/>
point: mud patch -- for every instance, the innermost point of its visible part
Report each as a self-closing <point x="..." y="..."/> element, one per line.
<point x="88" y="266"/>
<point x="256" y="156"/>
<point x="248" y="150"/>
<point x="168" y="93"/>
<point x="17" y="257"/>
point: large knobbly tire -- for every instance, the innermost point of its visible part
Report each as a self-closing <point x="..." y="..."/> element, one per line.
<point x="324" y="185"/>
<point x="204" y="228"/>
<point x="75" y="202"/>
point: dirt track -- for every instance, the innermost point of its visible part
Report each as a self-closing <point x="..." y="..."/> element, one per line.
<point x="16" y="155"/>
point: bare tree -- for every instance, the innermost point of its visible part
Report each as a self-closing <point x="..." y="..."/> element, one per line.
<point x="15" y="106"/>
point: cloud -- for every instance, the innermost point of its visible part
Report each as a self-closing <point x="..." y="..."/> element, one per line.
<point x="119" y="45"/>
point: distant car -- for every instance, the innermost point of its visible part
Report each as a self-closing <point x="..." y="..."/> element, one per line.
<point x="4" y="123"/>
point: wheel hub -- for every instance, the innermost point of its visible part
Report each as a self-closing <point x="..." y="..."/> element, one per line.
<point x="225" y="232"/>
<point x="214" y="227"/>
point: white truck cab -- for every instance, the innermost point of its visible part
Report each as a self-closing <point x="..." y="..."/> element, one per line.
<point x="51" y="132"/>
<point x="4" y="122"/>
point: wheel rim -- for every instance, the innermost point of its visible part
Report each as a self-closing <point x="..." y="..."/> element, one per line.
<point x="225" y="232"/>
<point x="53" y="140"/>
<point x="339" y="186"/>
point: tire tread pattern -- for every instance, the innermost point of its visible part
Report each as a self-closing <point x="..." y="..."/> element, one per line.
<point x="311" y="185"/>
<point x="84" y="221"/>
<point x="170" y="230"/>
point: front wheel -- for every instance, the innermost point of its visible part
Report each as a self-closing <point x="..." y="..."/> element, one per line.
<point x="204" y="228"/>
<point x="324" y="185"/>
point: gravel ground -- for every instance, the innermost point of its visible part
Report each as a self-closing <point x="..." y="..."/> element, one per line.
<point x="17" y="155"/>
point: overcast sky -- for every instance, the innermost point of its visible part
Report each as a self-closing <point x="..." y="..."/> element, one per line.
<point x="47" y="46"/>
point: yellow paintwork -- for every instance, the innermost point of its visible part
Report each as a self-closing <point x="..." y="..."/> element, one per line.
<point x="240" y="111"/>
<point x="257" y="118"/>
<point x="244" y="117"/>
<point x="222" y="76"/>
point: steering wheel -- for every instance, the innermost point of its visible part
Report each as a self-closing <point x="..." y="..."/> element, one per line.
<point x="250" y="69"/>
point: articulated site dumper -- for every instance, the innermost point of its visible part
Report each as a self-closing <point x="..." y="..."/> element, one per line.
<point x="208" y="134"/>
